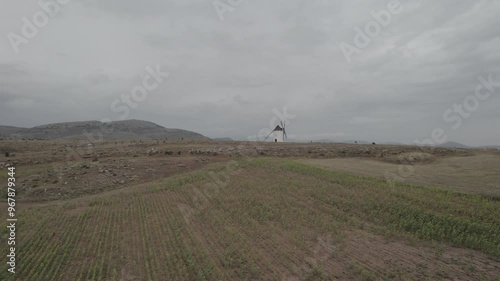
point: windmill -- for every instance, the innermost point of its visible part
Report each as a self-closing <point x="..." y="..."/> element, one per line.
<point x="279" y="133"/>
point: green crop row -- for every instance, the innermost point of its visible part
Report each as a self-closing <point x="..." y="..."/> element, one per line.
<point x="427" y="213"/>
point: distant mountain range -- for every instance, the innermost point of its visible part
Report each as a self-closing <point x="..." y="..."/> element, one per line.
<point x="449" y="144"/>
<point x="222" y="139"/>
<point x="454" y="144"/>
<point x="117" y="130"/>
<point x="491" y="147"/>
<point x="139" y="129"/>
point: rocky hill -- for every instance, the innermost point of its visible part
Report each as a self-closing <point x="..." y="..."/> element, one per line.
<point x="117" y="130"/>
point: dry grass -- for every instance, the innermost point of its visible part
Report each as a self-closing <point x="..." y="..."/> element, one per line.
<point x="268" y="219"/>
<point x="477" y="174"/>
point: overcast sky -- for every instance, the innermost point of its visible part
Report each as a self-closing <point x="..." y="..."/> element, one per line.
<point x="227" y="76"/>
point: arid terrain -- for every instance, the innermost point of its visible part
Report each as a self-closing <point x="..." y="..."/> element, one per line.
<point x="204" y="210"/>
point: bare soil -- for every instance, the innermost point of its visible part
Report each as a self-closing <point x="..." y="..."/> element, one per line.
<point x="477" y="173"/>
<point x="52" y="170"/>
<point x="112" y="211"/>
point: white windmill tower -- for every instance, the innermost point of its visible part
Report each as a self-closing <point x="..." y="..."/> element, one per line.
<point x="279" y="133"/>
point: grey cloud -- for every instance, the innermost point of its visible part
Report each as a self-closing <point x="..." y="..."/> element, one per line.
<point x="227" y="76"/>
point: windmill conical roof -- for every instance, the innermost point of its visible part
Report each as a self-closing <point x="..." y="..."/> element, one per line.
<point x="278" y="128"/>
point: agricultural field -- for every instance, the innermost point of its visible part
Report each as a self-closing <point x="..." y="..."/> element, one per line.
<point x="246" y="211"/>
<point x="475" y="174"/>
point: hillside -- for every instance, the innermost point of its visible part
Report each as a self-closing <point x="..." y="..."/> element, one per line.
<point x="118" y="130"/>
<point x="453" y="144"/>
<point x="223" y="139"/>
